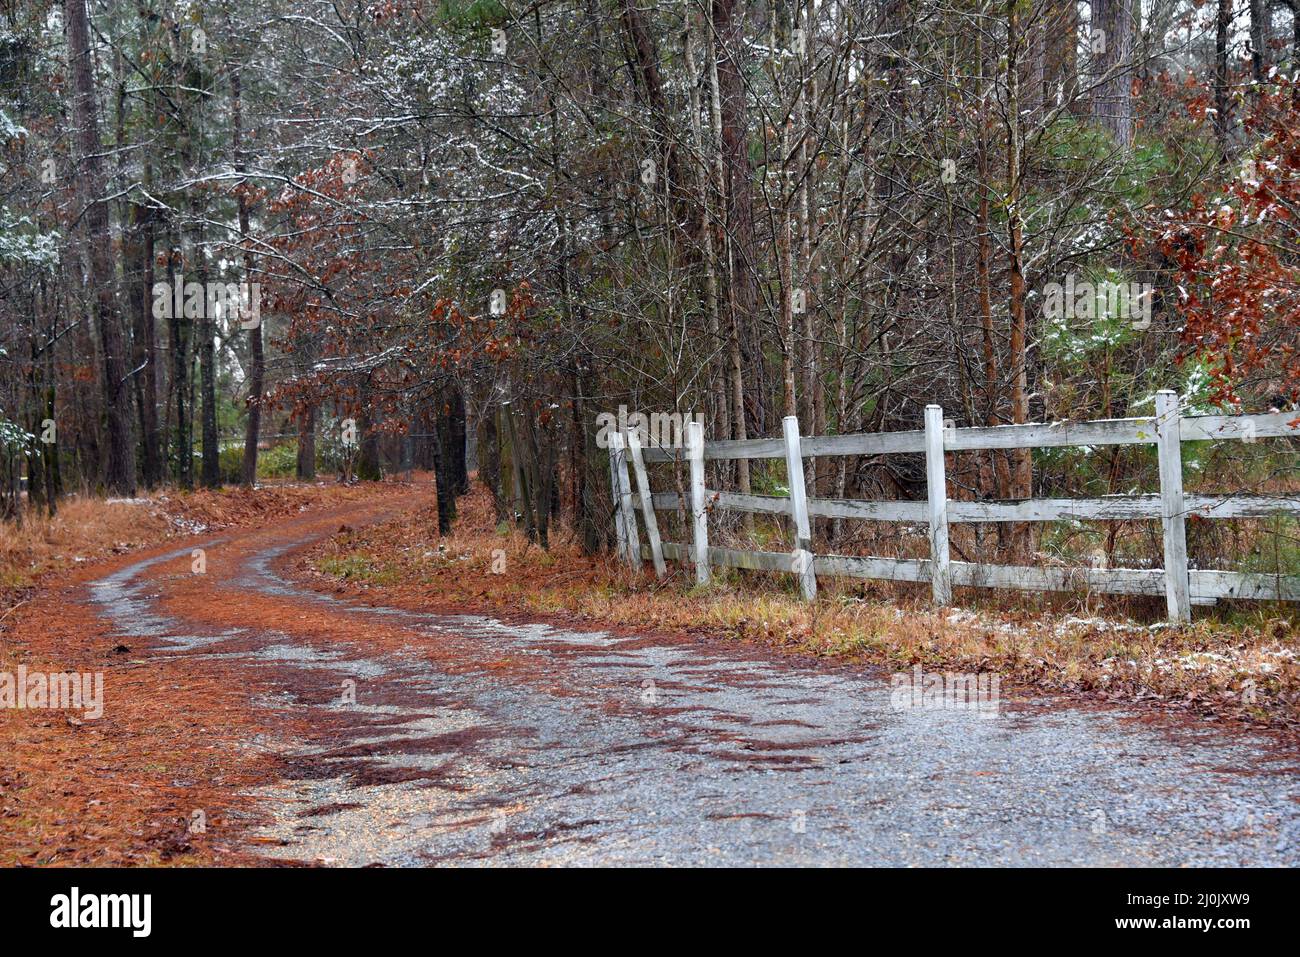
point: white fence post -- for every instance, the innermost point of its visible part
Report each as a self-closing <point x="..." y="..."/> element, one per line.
<point x="936" y="486"/>
<point x="1169" y="445"/>
<point x="647" y="503"/>
<point x="695" y="452"/>
<point x="620" y="528"/>
<point x="631" y="541"/>
<point x="803" y="562"/>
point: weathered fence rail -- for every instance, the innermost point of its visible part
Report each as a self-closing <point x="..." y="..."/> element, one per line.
<point x="1167" y="430"/>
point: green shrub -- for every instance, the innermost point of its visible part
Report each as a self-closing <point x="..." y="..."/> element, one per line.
<point x="281" y="461"/>
<point x="231" y="462"/>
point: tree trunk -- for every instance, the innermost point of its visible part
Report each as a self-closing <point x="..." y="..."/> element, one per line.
<point x="1259" y="24"/>
<point x="1222" y="106"/>
<point x="456" y="436"/>
<point x="137" y="271"/>
<point x="180" y="333"/>
<point x="368" y="465"/>
<point x="734" y="117"/>
<point x="257" y="370"/>
<point x="719" y="417"/>
<point x="207" y="325"/>
<point x="489" y="470"/>
<point x="541" y="479"/>
<point x="520" y="471"/>
<point x="1061" y="57"/>
<point x="137" y="255"/>
<point x="646" y="55"/>
<point x="203" y="331"/>
<point x="306" y="465"/>
<point x="119" y="474"/>
<point x="448" y="453"/>
<point x="1112" y="101"/>
<point x="444" y="485"/>
<point x="1295" y="31"/>
<point x="727" y="110"/>
<point x="1022" y="473"/>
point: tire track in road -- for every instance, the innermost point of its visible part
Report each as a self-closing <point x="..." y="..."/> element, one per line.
<point x="409" y="738"/>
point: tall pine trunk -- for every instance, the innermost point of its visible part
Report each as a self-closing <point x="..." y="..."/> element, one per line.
<point x="1112" y="100"/>
<point x="1021" y="467"/>
<point x="257" y="361"/>
<point x="119" y="473"/>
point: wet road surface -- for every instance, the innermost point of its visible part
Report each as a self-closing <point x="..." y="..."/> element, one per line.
<point x="460" y="739"/>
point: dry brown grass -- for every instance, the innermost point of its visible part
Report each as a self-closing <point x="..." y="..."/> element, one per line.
<point x="83" y="530"/>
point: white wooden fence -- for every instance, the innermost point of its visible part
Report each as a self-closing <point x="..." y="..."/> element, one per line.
<point x="1167" y="430"/>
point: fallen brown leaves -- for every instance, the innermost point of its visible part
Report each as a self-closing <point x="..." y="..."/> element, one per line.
<point x="163" y="776"/>
<point x="124" y="788"/>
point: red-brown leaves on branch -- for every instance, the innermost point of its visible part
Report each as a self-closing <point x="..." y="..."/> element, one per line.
<point x="1236" y="253"/>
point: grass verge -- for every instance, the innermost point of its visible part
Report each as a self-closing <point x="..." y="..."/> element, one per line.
<point x="1244" y="669"/>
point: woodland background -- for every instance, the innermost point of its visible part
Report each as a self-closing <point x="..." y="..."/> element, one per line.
<point x="838" y="210"/>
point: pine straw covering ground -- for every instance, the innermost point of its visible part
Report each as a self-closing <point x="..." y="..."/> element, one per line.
<point x="122" y="789"/>
<point x="87" y="529"/>
<point x="1243" y="672"/>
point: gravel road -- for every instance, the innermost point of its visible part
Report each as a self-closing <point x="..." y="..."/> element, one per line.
<point x="460" y="739"/>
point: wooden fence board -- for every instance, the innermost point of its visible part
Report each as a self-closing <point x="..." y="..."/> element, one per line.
<point x="1181" y="586"/>
<point x="1243" y="427"/>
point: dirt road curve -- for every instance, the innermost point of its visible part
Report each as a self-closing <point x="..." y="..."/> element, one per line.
<point x="476" y="741"/>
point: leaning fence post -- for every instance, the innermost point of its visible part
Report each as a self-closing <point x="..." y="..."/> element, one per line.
<point x="695" y="453"/>
<point x="623" y="500"/>
<point x="647" y="503"/>
<point x="620" y="530"/>
<point x="936" y="485"/>
<point x="1169" y="447"/>
<point x="803" y="561"/>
